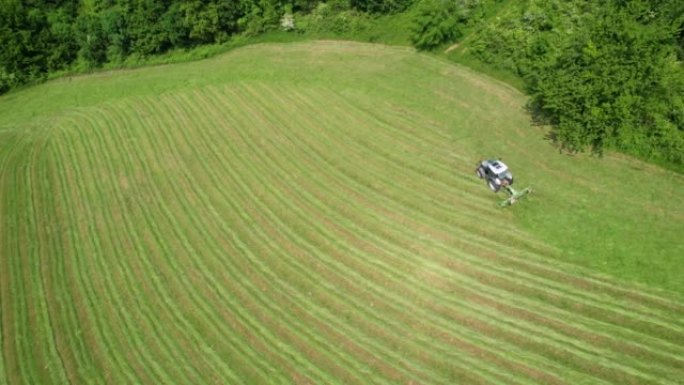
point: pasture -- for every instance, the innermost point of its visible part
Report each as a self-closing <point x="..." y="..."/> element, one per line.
<point x="308" y="213"/>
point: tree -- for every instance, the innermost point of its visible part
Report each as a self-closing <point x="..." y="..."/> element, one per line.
<point x="25" y="43"/>
<point x="91" y="40"/>
<point x="614" y="83"/>
<point x="441" y="21"/>
<point x="380" y="6"/>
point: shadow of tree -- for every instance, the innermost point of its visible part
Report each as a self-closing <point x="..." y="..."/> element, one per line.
<point x="539" y="118"/>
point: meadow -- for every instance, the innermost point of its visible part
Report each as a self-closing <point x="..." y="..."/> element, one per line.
<point x="308" y="213"/>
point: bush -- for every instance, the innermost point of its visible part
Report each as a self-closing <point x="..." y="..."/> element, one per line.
<point x="436" y="22"/>
<point x="530" y="34"/>
<point x="262" y="16"/>
<point x="603" y="74"/>
<point x="615" y="85"/>
<point x="335" y="17"/>
<point x="380" y="6"/>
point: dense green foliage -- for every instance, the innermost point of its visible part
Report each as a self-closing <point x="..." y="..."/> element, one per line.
<point x="437" y="22"/>
<point x="380" y="6"/>
<point x="38" y="38"/>
<point x="336" y="17"/>
<point x="615" y="84"/>
<point x="604" y="74"/>
<point x="41" y="37"/>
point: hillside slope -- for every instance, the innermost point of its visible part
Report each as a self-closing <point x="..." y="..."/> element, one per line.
<point x="308" y="213"/>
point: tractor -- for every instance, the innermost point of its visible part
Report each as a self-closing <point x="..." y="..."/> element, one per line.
<point x="496" y="173"/>
<point x="498" y="176"/>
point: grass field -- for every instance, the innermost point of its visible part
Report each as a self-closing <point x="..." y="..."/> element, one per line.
<point x="308" y="213"/>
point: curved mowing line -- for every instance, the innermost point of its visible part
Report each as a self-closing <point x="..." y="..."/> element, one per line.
<point x="299" y="268"/>
<point x="62" y="317"/>
<point x="437" y="191"/>
<point x="41" y="174"/>
<point x="177" y="272"/>
<point x="30" y="322"/>
<point x="287" y="235"/>
<point x="369" y="189"/>
<point x="9" y="152"/>
<point x="441" y="191"/>
<point x="66" y="323"/>
<point x="347" y="105"/>
<point x="132" y="325"/>
<point x="168" y="348"/>
<point x="265" y="303"/>
<point x="180" y="272"/>
<point x="87" y="266"/>
<point x="238" y="275"/>
<point x="235" y="239"/>
<point x="19" y="324"/>
<point x="79" y="299"/>
<point x="169" y="273"/>
<point x="167" y="251"/>
<point x="393" y="165"/>
<point x="38" y="337"/>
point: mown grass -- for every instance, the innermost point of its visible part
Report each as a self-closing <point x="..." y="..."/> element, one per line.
<point x="308" y="213"/>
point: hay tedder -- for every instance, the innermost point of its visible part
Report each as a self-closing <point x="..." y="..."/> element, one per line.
<point x="498" y="177"/>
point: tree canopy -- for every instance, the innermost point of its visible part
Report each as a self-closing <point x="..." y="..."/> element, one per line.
<point x="605" y="74"/>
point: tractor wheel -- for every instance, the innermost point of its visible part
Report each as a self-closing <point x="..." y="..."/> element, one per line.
<point x="493" y="186"/>
<point x="479" y="173"/>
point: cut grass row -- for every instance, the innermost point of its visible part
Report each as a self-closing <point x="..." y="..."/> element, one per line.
<point x="274" y="277"/>
<point x="583" y="207"/>
<point x="259" y="233"/>
<point x="150" y="273"/>
<point x="200" y="114"/>
<point x="319" y="216"/>
<point x="437" y="193"/>
<point x="269" y="162"/>
<point x="92" y="162"/>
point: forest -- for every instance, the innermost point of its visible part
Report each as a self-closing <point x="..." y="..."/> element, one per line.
<point x="604" y="74"/>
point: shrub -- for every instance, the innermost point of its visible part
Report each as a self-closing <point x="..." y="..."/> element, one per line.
<point x="380" y="6"/>
<point x="614" y="85"/>
<point x="335" y="17"/>
<point x="436" y="22"/>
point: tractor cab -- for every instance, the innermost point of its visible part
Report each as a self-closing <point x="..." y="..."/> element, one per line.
<point x="496" y="168"/>
<point x="496" y="173"/>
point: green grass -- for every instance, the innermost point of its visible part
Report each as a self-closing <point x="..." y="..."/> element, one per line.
<point x="308" y="213"/>
<point x="465" y="59"/>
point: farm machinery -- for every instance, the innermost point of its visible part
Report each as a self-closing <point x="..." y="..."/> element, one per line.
<point x="498" y="176"/>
